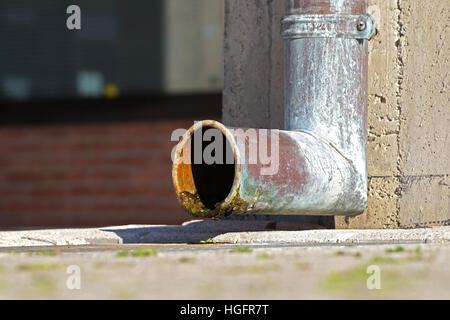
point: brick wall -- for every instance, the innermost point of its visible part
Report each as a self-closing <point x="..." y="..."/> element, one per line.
<point x="88" y="174"/>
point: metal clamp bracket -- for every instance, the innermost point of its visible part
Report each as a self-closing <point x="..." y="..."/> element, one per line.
<point x="328" y="26"/>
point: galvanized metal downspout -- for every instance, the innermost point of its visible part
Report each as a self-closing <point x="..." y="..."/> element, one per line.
<point x="322" y="164"/>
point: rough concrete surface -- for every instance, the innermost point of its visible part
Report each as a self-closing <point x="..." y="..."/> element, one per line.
<point x="409" y="117"/>
<point x="331" y="272"/>
<point x="235" y="232"/>
<point x="224" y="260"/>
<point x="253" y="94"/>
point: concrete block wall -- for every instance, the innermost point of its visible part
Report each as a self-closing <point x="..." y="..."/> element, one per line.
<point x="409" y="117"/>
<point x="409" y="111"/>
<point x="253" y="94"/>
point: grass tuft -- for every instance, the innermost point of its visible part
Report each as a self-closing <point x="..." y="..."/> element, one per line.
<point x="265" y="256"/>
<point x="242" y="250"/>
<point x="186" y="260"/>
<point x="396" y="249"/>
<point x="38" y="267"/>
<point x="44" y="253"/>
<point x="138" y="253"/>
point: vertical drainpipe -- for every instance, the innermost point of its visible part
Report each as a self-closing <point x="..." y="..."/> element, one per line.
<point x="322" y="154"/>
<point x="326" y="76"/>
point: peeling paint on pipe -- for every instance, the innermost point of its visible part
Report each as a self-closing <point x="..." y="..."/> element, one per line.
<point x="322" y="167"/>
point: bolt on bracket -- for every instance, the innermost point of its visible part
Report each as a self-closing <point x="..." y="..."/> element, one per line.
<point x="328" y="26"/>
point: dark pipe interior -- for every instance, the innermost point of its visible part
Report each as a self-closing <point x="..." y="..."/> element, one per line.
<point x="213" y="181"/>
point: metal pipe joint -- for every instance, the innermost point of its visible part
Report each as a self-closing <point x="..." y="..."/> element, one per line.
<point x="317" y="165"/>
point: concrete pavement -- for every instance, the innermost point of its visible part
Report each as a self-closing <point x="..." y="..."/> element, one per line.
<point x="224" y="260"/>
<point x="229" y="272"/>
<point x="236" y="232"/>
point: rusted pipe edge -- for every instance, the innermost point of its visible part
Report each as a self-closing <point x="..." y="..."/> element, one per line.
<point x="313" y="178"/>
<point x="183" y="179"/>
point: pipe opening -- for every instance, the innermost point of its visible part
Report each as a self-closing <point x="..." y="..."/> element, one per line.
<point x="213" y="170"/>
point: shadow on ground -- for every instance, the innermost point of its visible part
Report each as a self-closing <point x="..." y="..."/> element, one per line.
<point x="202" y="230"/>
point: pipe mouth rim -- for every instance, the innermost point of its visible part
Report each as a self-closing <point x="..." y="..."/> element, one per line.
<point x="183" y="180"/>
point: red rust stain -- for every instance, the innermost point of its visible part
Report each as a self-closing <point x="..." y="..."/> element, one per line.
<point x="291" y="170"/>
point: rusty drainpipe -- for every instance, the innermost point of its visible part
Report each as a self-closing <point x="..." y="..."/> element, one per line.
<point x="322" y="153"/>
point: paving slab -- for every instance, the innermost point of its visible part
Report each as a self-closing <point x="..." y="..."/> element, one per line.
<point x="412" y="271"/>
<point x="234" y="232"/>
